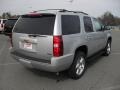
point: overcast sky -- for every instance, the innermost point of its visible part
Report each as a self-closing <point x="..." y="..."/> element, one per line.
<point x="93" y="7"/>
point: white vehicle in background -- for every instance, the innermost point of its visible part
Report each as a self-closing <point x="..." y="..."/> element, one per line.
<point x="2" y="22"/>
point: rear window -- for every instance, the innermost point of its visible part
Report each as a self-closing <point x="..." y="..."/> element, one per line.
<point x="10" y="22"/>
<point x="37" y="24"/>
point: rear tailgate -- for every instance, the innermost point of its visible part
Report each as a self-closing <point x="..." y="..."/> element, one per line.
<point x="37" y="47"/>
<point x="33" y="36"/>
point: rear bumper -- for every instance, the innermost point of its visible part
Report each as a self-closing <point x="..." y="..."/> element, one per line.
<point x="57" y="63"/>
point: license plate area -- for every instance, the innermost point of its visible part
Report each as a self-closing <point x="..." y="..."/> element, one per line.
<point x="27" y="45"/>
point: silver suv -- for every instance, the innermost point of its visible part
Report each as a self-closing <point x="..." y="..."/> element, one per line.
<point x="58" y="40"/>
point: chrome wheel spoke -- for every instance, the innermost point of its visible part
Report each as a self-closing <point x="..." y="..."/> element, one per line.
<point x="81" y="60"/>
<point x="77" y="66"/>
<point x="78" y="71"/>
<point x="80" y="66"/>
<point x="108" y="48"/>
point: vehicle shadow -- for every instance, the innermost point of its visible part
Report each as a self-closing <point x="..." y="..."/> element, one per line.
<point x="94" y="59"/>
<point x="50" y="75"/>
<point x="63" y="75"/>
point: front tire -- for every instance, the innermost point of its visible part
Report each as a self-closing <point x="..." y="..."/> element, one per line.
<point x="78" y="67"/>
<point x="107" y="50"/>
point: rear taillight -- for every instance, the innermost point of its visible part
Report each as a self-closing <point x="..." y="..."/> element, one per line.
<point x="11" y="43"/>
<point x="57" y="46"/>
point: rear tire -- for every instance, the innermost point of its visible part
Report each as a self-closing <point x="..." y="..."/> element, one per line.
<point x="107" y="49"/>
<point x="78" y="67"/>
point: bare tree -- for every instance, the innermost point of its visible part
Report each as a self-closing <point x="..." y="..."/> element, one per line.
<point x="6" y="15"/>
<point x="109" y="19"/>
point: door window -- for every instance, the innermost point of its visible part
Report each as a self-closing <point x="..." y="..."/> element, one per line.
<point x="70" y="24"/>
<point x="88" y="24"/>
<point x="97" y="24"/>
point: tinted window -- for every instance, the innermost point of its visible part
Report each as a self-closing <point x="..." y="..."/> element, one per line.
<point x="88" y="24"/>
<point x="97" y="25"/>
<point x="70" y="24"/>
<point x="0" y="21"/>
<point x="42" y="24"/>
<point x="10" y="22"/>
<point x="4" y="21"/>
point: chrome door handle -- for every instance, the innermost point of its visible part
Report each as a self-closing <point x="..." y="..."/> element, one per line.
<point x="89" y="37"/>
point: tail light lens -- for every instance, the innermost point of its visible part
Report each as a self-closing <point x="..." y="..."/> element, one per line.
<point x="57" y="46"/>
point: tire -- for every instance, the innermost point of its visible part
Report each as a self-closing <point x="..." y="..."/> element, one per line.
<point x="78" y="67"/>
<point x="107" y="49"/>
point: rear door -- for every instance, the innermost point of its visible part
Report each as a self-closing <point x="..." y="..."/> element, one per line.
<point x="90" y="35"/>
<point x="100" y="35"/>
<point x="33" y="35"/>
<point x="71" y="32"/>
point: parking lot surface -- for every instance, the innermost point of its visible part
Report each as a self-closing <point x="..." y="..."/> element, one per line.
<point x="103" y="73"/>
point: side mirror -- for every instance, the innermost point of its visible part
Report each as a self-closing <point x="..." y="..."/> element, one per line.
<point x="105" y="28"/>
<point x="102" y="28"/>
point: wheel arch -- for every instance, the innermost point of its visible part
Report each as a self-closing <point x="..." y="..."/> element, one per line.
<point x="109" y="39"/>
<point x="83" y="49"/>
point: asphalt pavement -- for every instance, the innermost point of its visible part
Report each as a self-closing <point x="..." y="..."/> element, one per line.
<point x="103" y="73"/>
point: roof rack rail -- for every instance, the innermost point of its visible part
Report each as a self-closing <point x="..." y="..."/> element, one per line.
<point x="51" y="10"/>
<point x="62" y="10"/>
